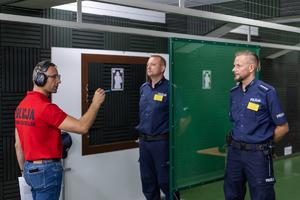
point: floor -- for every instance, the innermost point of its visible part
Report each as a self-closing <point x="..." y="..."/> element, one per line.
<point x="287" y="174"/>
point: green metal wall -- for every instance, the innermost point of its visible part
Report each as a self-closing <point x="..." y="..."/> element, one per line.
<point x="208" y="108"/>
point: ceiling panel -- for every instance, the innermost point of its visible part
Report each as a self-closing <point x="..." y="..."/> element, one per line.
<point x="38" y="4"/>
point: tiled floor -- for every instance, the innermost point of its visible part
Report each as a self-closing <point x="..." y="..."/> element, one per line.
<point x="287" y="174"/>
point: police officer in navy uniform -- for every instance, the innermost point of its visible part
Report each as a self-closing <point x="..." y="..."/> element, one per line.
<point x="154" y="131"/>
<point x="259" y="122"/>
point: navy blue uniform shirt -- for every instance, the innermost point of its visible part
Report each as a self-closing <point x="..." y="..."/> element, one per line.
<point x="154" y="108"/>
<point x="255" y="112"/>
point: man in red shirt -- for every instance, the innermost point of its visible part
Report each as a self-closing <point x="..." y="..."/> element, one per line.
<point x="38" y="136"/>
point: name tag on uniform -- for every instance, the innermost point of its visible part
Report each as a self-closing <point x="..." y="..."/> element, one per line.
<point x="253" y="106"/>
<point x="158" y="97"/>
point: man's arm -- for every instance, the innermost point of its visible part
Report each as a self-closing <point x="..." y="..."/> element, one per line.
<point x="19" y="151"/>
<point x="82" y="125"/>
<point x="280" y="131"/>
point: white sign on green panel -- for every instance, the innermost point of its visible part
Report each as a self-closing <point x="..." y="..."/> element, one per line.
<point x="206" y="79"/>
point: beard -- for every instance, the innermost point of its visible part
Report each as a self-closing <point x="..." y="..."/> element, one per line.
<point x="241" y="78"/>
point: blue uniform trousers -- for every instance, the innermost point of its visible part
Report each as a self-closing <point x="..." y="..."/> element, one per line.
<point x="154" y="168"/>
<point x="251" y="166"/>
<point x="46" y="183"/>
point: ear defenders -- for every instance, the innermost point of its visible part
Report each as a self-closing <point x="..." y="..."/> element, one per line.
<point x="41" y="78"/>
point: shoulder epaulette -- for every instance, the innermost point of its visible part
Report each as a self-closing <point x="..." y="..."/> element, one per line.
<point x="143" y="85"/>
<point x="234" y="88"/>
<point x="264" y="87"/>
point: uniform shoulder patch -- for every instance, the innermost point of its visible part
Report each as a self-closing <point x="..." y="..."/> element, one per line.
<point x="234" y="88"/>
<point x="263" y="87"/>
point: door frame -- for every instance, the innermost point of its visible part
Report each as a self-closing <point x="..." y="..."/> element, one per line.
<point x="98" y="58"/>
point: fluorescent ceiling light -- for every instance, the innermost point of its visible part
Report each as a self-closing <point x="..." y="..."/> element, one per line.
<point x="245" y="29"/>
<point x="116" y="11"/>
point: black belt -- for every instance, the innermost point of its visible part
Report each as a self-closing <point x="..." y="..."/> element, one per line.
<point x="245" y="146"/>
<point x="41" y="161"/>
<point x="146" y="137"/>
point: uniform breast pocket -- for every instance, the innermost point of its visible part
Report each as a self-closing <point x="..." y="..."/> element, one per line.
<point x="162" y="104"/>
<point x="143" y="102"/>
<point x="233" y="110"/>
<point x="251" y="114"/>
<point x="255" y="111"/>
<point x="262" y="113"/>
<point x="165" y="100"/>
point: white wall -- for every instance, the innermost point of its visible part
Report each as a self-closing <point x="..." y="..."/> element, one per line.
<point x="109" y="176"/>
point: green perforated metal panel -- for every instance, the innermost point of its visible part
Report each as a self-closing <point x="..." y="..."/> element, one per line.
<point x="202" y="71"/>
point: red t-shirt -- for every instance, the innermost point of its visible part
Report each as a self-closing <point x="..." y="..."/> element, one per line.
<point x="37" y="121"/>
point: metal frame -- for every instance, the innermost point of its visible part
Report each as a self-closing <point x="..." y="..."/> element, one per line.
<point x="181" y="3"/>
<point x="79" y="11"/>
<point x="171" y="109"/>
<point x="201" y="14"/>
<point x="280" y="53"/>
<point x="118" y="29"/>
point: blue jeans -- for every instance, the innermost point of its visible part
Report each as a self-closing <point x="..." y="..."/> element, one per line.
<point x="46" y="182"/>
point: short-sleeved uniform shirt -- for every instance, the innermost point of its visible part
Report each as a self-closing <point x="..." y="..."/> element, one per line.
<point x="255" y="112"/>
<point x="154" y="108"/>
<point x="37" y="121"/>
